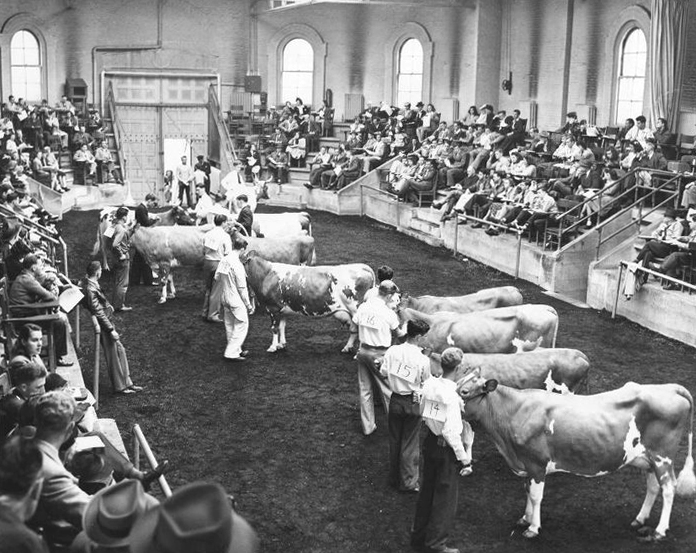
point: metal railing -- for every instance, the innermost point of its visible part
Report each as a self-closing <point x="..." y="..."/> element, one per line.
<point x="226" y="142"/>
<point x="118" y="130"/>
<point x="140" y="442"/>
<point x="97" y="360"/>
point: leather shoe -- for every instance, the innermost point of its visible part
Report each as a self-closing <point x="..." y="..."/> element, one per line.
<point x="150" y="476"/>
<point x="443" y="549"/>
<point x="63" y="363"/>
<point x="477" y="225"/>
<point x="124" y="308"/>
<point x="126" y="392"/>
<point x="244" y="353"/>
<point x="235" y="359"/>
<point x="136" y="388"/>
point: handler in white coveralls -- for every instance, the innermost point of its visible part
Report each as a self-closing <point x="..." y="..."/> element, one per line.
<point x="236" y="305"/>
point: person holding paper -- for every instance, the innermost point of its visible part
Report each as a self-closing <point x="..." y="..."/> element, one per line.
<point x="445" y="458"/>
<point x="115" y="353"/>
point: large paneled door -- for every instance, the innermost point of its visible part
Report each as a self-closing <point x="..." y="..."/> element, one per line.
<point x="152" y="108"/>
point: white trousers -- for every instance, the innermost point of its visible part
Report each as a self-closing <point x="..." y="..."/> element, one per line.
<point x="236" y="329"/>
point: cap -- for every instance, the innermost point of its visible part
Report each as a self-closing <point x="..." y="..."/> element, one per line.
<point x="387" y="287"/>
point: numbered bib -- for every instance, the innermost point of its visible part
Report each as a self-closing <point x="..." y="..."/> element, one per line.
<point x="109" y="232"/>
<point x="369" y="320"/>
<point x="404" y="372"/>
<point x="434" y="410"/>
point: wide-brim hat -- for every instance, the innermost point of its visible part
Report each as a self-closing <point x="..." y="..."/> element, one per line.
<point x="110" y="516"/>
<point x="197" y="517"/>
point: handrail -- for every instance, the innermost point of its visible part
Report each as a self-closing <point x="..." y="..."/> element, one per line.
<point x="226" y="140"/>
<point x="117" y="128"/>
<point x="139" y="441"/>
<point x="45" y="232"/>
<point x="97" y="359"/>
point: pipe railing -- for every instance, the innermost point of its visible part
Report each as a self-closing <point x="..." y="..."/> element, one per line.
<point x="97" y="359"/>
<point x="140" y="442"/>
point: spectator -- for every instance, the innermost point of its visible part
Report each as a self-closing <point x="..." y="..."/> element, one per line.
<point x="278" y="164"/>
<point x="120" y="246"/>
<point x="168" y="185"/>
<point x="593" y="204"/>
<point x="663" y="240"/>
<point x="376" y="155"/>
<point x="376" y="324"/>
<point x="639" y="133"/>
<point x="194" y="518"/>
<point x="204" y="205"/>
<point x="406" y="368"/>
<point x="50" y="164"/>
<point x="85" y="161"/>
<point x="571" y="125"/>
<point x="28" y="380"/>
<point x="540" y="208"/>
<point x="350" y="170"/>
<point x="320" y="163"/>
<point x="245" y="216"/>
<point x="21" y="479"/>
<point x="650" y="158"/>
<point x="666" y="141"/>
<point x="29" y="344"/>
<point x="104" y="161"/>
<point x="444" y="459"/>
<point x="429" y="123"/>
<point x="679" y="258"/>
<point x="216" y="245"/>
<point x="424" y="179"/>
<point x="110" y="517"/>
<point x="204" y="166"/>
<point x="114" y="352"/>
<point x="297" y="150"/>
<point x="183" y="174"/>
<point x="62" y="502"/>
<point x="471" y="117"/>
<point x="80" y="139"/>
<point x="235" y="301"/>
<point x="31" y="286"/>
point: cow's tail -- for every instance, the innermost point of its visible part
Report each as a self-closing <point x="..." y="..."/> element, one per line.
<point x="307" y="224"/>
<point x="686" y="483"/>
<point x="555" y="328"/>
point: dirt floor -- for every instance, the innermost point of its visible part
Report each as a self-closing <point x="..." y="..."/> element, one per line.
<point x="282" y="432"/>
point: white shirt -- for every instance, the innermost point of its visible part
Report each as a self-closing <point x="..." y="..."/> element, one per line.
<point x="406" y="368"/>
<point x="203" y="206"/>
<point x="184" y="173"/>
<point x="374" y="292"/>
<point x="217" y="244"/>
<point x="440" y="394"/>
<point x="375" y="322"/>
<point x="230" y="273"/>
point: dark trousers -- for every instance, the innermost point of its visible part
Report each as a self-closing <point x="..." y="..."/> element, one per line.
<point x="184" y="189"/>
<point x="437" y="500"/>
<point x="121" y="274"/>
<point x="140" y="270"/>
<point x="653" y="249"/>
<point x="674" y="262"/>
<point x="404" y="445"/>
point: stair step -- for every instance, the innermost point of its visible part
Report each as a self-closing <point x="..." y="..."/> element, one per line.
<point x="428" y="214"/>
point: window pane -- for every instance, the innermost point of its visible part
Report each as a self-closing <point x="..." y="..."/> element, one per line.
<point x="24" y="49"/>
<point x="411" y="57"/>
<point x="297" y="84"/>
<point x="298" y="56"/>
<point x="631" y="84"/>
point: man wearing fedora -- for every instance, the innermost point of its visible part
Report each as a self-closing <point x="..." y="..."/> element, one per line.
<point x="110" y="517"/>
<point x="197" y="517"/>
<point x="20" y="488"/>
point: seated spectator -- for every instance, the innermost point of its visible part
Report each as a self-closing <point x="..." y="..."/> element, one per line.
<point x="541" y="207"/>
<point x="278" y="165"/>
<point x="62" y="502"/>
<point x="611" y="158"/>
<point x="518" y="129"/>
<point x="350" y="171"/>
<point x="498" y="162"/>
<point x="571" y="125"/>
<point x="429" y="123"/>
<point x="320" y="163"/>
<point x="666" y="141"/>
<point x="423" y="180"/>
<point x="194" y="517"/>
<point x="679" y="258"/>
<point x="29" y="344"/>
<point x="297" y="150"/>
<point x="105" y="164"/>
<point x="565" y="186"/>
<point x="81" y="138"/>
<point x="50" y="164"/>
<point x="21" y="478"/>
<point x="479" y="156"/>
<point x="639" y="133"/>
<point x="519" y="167"/>
<point x="510" y="201"/>
<point x="376" y="154"/>
<point x="38" y="171"/>
<point x="84" y="160"/>
<point x="664" y="239"/>
<point x="486" y="115"/>
<point x="623" y="131"/>
<point x="328" y="177"/>
<point x="471" y="117"/>
<point x="477" y="199"/>
<point x="28" y="380"/>
<point x="440" y="133"/>
<point x="453" y="169"/>
<point x="32" y="286"/>
<point x="501" y="191"/>
<point x="649" y="158"/>
<point x="593" y="204"/>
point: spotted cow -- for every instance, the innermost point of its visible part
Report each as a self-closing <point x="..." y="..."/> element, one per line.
<point x="489" y="331"/>
<point x="282" y="224"/>
<point x="539" y="433"/>
<point x="313" y="291"/>
<point x="488" y="298"/>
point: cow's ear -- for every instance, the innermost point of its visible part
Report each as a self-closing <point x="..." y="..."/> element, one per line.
<point x="490" y="386"/>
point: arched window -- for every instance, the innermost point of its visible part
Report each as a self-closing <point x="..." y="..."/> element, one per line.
<point x="409" y="80"/>
<point x="633" y="58"/>
<point x="298" y="71"/>
<point x="25" y="66"/>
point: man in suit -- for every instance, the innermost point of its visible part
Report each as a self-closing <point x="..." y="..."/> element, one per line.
<point x="204" y="167"/>
<point x="62" y="502"/>
<point x="246" y="215"/>
<point x="140" y="270"/>
<point x="29" y="380"/>
<point x="351" y="171"/>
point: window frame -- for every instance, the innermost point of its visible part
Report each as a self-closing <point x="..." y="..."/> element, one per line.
<point x="38" y="68"/>
<point x="393" y="44"/>
<point x="623" y="38"/>
<point x="30" y="23"/>
<point x="400" y="101"/>
<point x="309" y="100"/>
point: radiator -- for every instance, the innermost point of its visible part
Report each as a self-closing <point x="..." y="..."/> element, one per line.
<point x="352" y="106"/>
<point x="533" y="115"/>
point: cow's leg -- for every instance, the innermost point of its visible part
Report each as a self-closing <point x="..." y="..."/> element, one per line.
<point x="281" y="331"/>
<point x="667" y="480"/>
<point x="652" y="489"/>
<point x="164" y="275"/>
<point x="347" y="319"/>
<point x="535" y="494"/>
<point x="468" y="439"/>
<point x="172" y="289"/>
<point x="274" y="329"/>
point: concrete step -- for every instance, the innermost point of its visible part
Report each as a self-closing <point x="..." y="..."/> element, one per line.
<point x="427" y="214"/>
<point x="426" y="237"/>
<point x="426" y="227"/>
<point x="110" y="429"/>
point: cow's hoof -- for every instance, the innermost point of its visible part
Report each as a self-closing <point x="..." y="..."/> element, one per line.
<point x="282" y="347"/>
<point x="162" y="300"/>
<point x="644" y="531"/>
<point x="636" y="525"/>
<point x="653" y="537"/>
<point x="530" y="534"/>
<point x="522" y="523"/>
<point x="171" y="296"/>
<point x="347" y="349"/>
<point x="272" y="349"/>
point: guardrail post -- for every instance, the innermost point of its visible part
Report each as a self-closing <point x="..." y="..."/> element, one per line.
<point x="456" y="236"/>
<point x="138" y="434"/>
<point x="97" y="358"/>
<point x="77" y="326"/>
<point x="136" y="452"/>
<point x="518" y="255"/>
<point x="362" y="202"/>
<point x="618" y="291"/>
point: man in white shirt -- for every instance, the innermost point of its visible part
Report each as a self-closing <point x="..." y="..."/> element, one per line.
<point x="376" y="323"/>
<point x="445" y="458"/>
<point x="216" y="245"/>
<point x="204" y="206"/>
<point x="184" y="176"/>
<point x="384" y="272"/>
<point x="406" y="368"/>
<point x="639" y="132"/>
<point x="235" y="300"/>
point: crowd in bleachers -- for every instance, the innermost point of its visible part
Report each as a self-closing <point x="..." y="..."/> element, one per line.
<point x="33" y="139"/>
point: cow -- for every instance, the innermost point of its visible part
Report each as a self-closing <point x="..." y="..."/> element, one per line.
<point x="539" y="433"/>
<point x="553" y="369"/>
<point x="489" y="298"/>
<point x="167" y="247"/>
<point x="489" y="331"/>
<point x="174" y="216"/>
<point x="282" y="224"/>
<point x="319" y="291"/>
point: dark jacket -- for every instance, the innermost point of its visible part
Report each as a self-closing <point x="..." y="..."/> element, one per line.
<point x="26" y="289"/>
<point x="142" y="216"/>
<point x="95" y="301"/>
<point x="246" y="219"/>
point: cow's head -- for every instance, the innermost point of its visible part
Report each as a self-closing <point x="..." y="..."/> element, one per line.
<point x="245" y="256"/>
<point x="473" y="385"/>
<point x="181" y="216"/>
